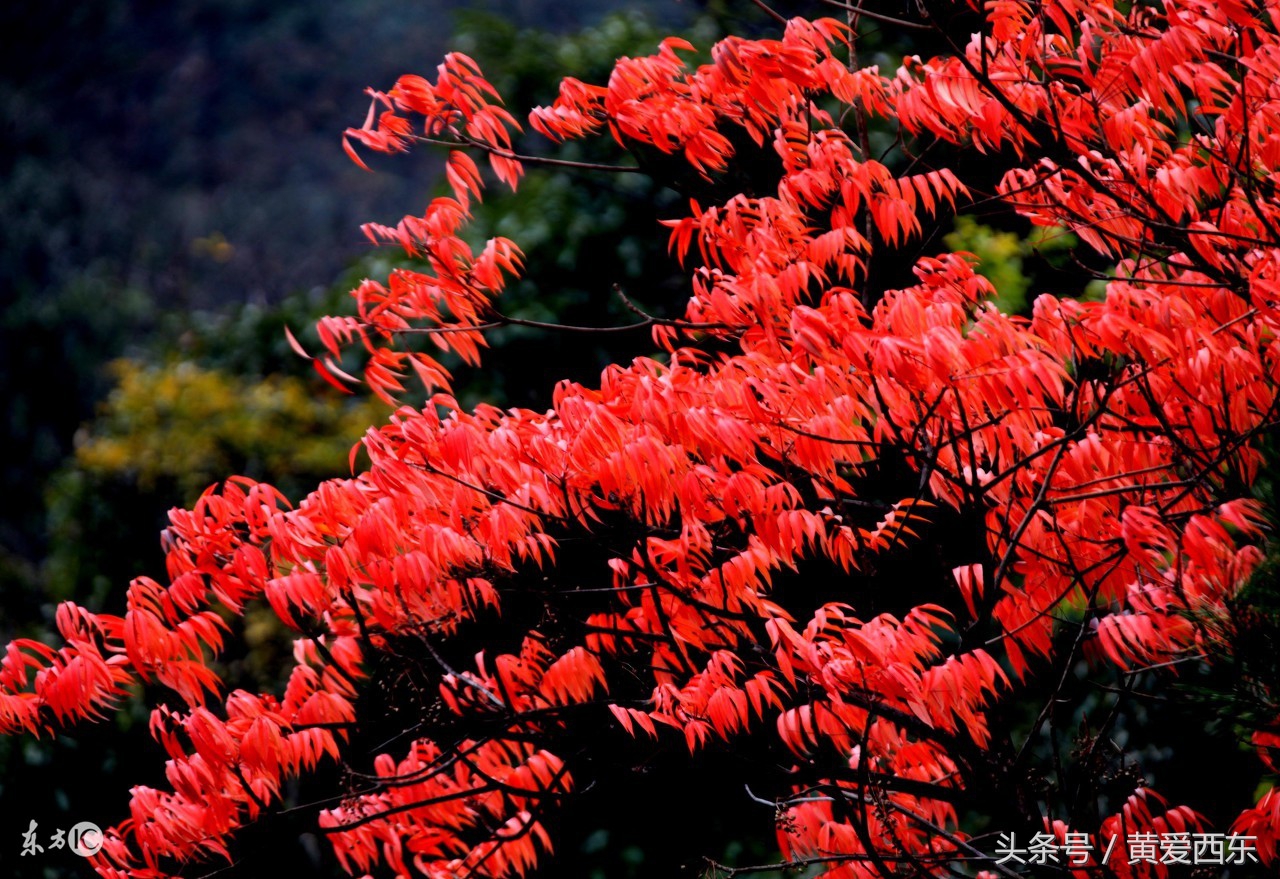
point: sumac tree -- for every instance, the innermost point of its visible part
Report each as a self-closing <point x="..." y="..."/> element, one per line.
<point x="913" y="555"/>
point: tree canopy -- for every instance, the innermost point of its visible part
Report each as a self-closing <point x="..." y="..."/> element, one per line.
<point x="917" y="564"/>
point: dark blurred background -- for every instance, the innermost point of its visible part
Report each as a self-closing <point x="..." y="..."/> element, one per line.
<point x="165" y="166"/>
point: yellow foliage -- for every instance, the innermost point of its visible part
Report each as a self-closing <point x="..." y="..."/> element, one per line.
<point x="184" y="424"/>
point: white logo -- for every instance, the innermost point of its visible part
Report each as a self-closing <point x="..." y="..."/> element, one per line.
<point x="85" y="839"/>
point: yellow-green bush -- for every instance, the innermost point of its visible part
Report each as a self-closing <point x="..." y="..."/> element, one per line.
<point x="188" y="425"/>
<point x="163" y="435"/>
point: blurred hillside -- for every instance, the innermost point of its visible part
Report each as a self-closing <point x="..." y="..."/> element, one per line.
<point x="181" y="158"/>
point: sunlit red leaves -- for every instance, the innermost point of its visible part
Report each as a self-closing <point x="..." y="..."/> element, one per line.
<point x="661" y="102"/>
<point x="460" y="107"/>
<point x="1262" y="822"/>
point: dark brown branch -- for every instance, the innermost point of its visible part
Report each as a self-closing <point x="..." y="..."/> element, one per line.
<point x="878" y="16"/>
<point x="520" y="157"/>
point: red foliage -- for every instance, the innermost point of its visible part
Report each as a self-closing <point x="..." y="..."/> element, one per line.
<point x="1105" y="447"/>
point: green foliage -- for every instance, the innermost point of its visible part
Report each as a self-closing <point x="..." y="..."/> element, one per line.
<point x="1005" y="257"/>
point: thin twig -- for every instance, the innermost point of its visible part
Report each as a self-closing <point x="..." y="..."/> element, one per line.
<point x="520" y="157"/>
